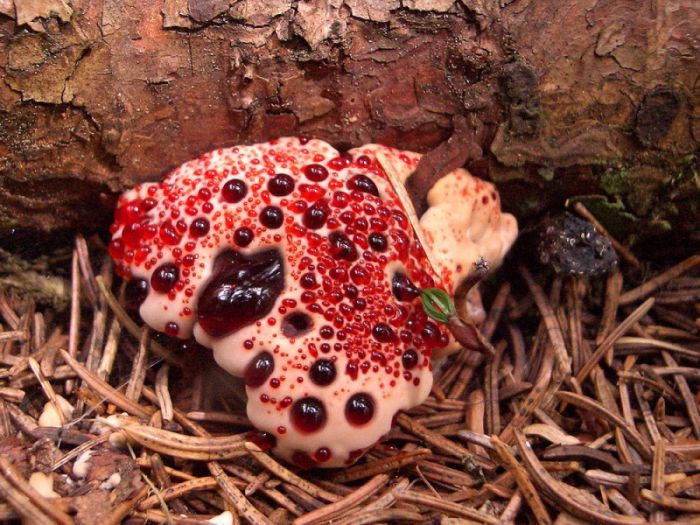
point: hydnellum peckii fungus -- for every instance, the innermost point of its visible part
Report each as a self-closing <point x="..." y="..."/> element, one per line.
<point x="302" y="269"/>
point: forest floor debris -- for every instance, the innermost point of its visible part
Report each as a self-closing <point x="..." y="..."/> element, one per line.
<point x="588" y="410"/>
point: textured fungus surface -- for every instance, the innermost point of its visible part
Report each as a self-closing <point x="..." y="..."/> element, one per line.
<point x="298" y="266"/>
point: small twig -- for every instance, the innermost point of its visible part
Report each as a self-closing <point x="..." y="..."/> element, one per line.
<point x="394" y="462"/>
<point x="527" y="489"/>
<point x="132" y="327"/>
<point x="105" y="390"/>
<point x="345" y="504"/>
<point x="621" y="249"/>
<point x="138" y="370"/>
<point x="657" y="282"/>
<point x="74" y="327"/>
<point x="609" y="341"/>
<point x="287" y="475"/>
<point x="446" y="506"/>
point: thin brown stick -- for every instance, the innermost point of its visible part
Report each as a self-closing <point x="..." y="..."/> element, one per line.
<point x="670" y="502"/>
<point x="527" y="489"/>
<point x="657" y="475"/>
<point x="81" y="249"/>
<point x="609" y="341"/>
<point x="561" y="357"/>
<point x="382" y="516"/>
<point x="105" y="390"/>
<point x="435" y="439"/>
<point x="602" y="413"/>
<point x="620" y="248"/>
<point x="164" y="400"/>
<point x="132" y="327"/>
<point x="613" y="289"/>
<point x="138" y="370"/>
<point x="657" y="282"/>
<point x="448" y="507"/>
<point x="691" y="404"/>
<point x="74" y="327"/>
<point x="179" y="490"/>
<point x="287" y="475"/>
<point x="345" y="504"/>
<point x="562" y="496"/>
<point x="373" y="468"/>
<point x="47" y="388"/>
<point x="493" y="413"/>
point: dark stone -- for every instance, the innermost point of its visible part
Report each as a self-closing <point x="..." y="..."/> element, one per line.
<point x="572" y="245"/>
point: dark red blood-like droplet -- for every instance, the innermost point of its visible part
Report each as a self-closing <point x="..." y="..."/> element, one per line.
<point x="116" y="248"/>
<point x="164" y="277"/>
<point x="199" y="227"/>
<point x="308" y="281"/>
<point x="264" y="440"/>
<point x="296" y="324"/>
<point x="383" y="333"/>
<point x="431" y="334"/>
<point x="259" y="369"/>
<point x="169" y="234"/>
<point x="322" y="372"/>
<point x="342" y="247"/>
<point x="281" y="185"/>
<point x="234" y="190"/>
<point x="364" y="184"/>
<point x="132" y="234"/>
<point x="322" y="454"/>
<point x="315" y="216"/>
<point x="359" y="409"/>
<point x="271" y="217"/>
<point x="303" y="460"/>
<point x="315" y="172"/>
<point x="308" y="415"/>
<point x="377" y="242"/>
<point x="242" y="290"/>
<point x="243" y="236"/>
<point x="402" y="287"/>
<point x="409" y="359"/>
<point x="172" y="329"/>
<point x="135" y="293"/>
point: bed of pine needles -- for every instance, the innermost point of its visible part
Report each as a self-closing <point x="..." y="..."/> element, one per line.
<point x="587" y="413"/>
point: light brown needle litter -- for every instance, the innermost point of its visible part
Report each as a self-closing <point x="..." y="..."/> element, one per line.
<point x="601" y="376"/>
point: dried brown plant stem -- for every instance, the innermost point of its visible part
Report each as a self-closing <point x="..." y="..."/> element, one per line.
<point x="609" y="341"/>
<point x="657" y="282"/>
<point x="350" y="501"/>
<point x="287" y="475"/>
<point x="620" y="248"/>
<point x="131" y="326"/>
<point x="74" y="327"/>
<point x="566" y="500"/>
<point x="527" y="489"/>
<point x="379" y="466"/>
<point x="446" y="506"/>
<point x="105" y="390"/>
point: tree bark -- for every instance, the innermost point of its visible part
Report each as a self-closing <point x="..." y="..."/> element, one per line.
<point x="571" y="97"/>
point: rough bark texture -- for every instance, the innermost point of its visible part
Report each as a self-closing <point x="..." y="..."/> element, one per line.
<point x="573" y="97"/>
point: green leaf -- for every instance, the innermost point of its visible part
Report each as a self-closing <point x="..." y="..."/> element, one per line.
<point x="437" y="304"/>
